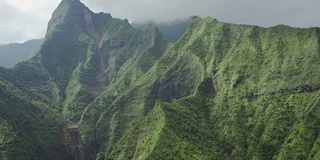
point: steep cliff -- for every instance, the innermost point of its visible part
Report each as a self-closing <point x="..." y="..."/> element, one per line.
<point x="100" y="89"/>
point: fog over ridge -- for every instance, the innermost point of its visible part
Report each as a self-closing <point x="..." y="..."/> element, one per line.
<point x="27" y="19"/>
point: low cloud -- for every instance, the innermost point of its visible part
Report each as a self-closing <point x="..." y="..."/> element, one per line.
<point x="27" y="19"/>
<point x="298" y="13"/>
<point x="24" y="20"/>
<point x="157" y="10"/>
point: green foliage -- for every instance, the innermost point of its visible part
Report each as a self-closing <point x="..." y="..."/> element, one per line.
<point x="11" y="146"/>
<point x="29" y="129"/>
<point x="141" y="138"/>
<point x="222" y="91"/>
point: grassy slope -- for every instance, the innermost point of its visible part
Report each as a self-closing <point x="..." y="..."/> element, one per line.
<point x="32" y="93"/>
<point x="29" y="128"/>
<point x="63" y="76"/>
<point x="107" y="110"/>
<point x="266" y="101"/>
<point x="223" y="91"/>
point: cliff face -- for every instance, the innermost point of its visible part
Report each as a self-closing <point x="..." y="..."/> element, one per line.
<point x="100" y="89"/>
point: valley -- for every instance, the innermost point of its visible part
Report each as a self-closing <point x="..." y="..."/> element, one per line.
<point x="99" y="88"/>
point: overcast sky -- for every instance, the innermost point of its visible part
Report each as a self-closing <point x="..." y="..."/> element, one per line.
<point x="22" y="20"/>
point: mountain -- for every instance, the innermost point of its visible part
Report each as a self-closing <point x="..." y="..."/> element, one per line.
<point x="11" y="54"/>
<point x="98" y="88"/>
<point x="172" y="31"/>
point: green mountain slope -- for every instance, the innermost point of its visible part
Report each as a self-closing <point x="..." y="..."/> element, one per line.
<point x="172" y="30"/>
<point x="100" y="89"/>
<point x="255" y="113"/>
<point x="29" y="129"/>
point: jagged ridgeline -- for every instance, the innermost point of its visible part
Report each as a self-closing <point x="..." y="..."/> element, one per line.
<point x="100" y="89"/>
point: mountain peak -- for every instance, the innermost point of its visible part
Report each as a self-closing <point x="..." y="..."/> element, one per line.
<point x="66" y="8"/>
<point x="70" y="1"/>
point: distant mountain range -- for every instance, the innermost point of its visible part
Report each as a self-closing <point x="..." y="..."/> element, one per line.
<point x="11" y="54"/>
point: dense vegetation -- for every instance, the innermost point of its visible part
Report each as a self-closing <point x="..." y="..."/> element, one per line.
<point x="100" y="89"/>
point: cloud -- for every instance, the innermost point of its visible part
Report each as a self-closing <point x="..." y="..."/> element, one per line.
<point x="23" y="20"/>
<point x="27" y="19"/>
<point x="157" y="10"/>
<point x="298" y="13"/>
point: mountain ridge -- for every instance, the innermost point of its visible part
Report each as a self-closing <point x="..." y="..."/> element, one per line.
<point x="221" y="91"/>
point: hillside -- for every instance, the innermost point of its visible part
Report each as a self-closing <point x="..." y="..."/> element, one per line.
<point x="172" y="31"/>
<point x="98" y="88"/>
<point x="11" y="54"/>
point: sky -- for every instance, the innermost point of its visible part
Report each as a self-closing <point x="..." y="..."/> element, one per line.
<point x="22" y="20"/>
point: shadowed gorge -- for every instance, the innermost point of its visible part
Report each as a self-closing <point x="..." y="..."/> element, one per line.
<point x="98" y="88"/>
